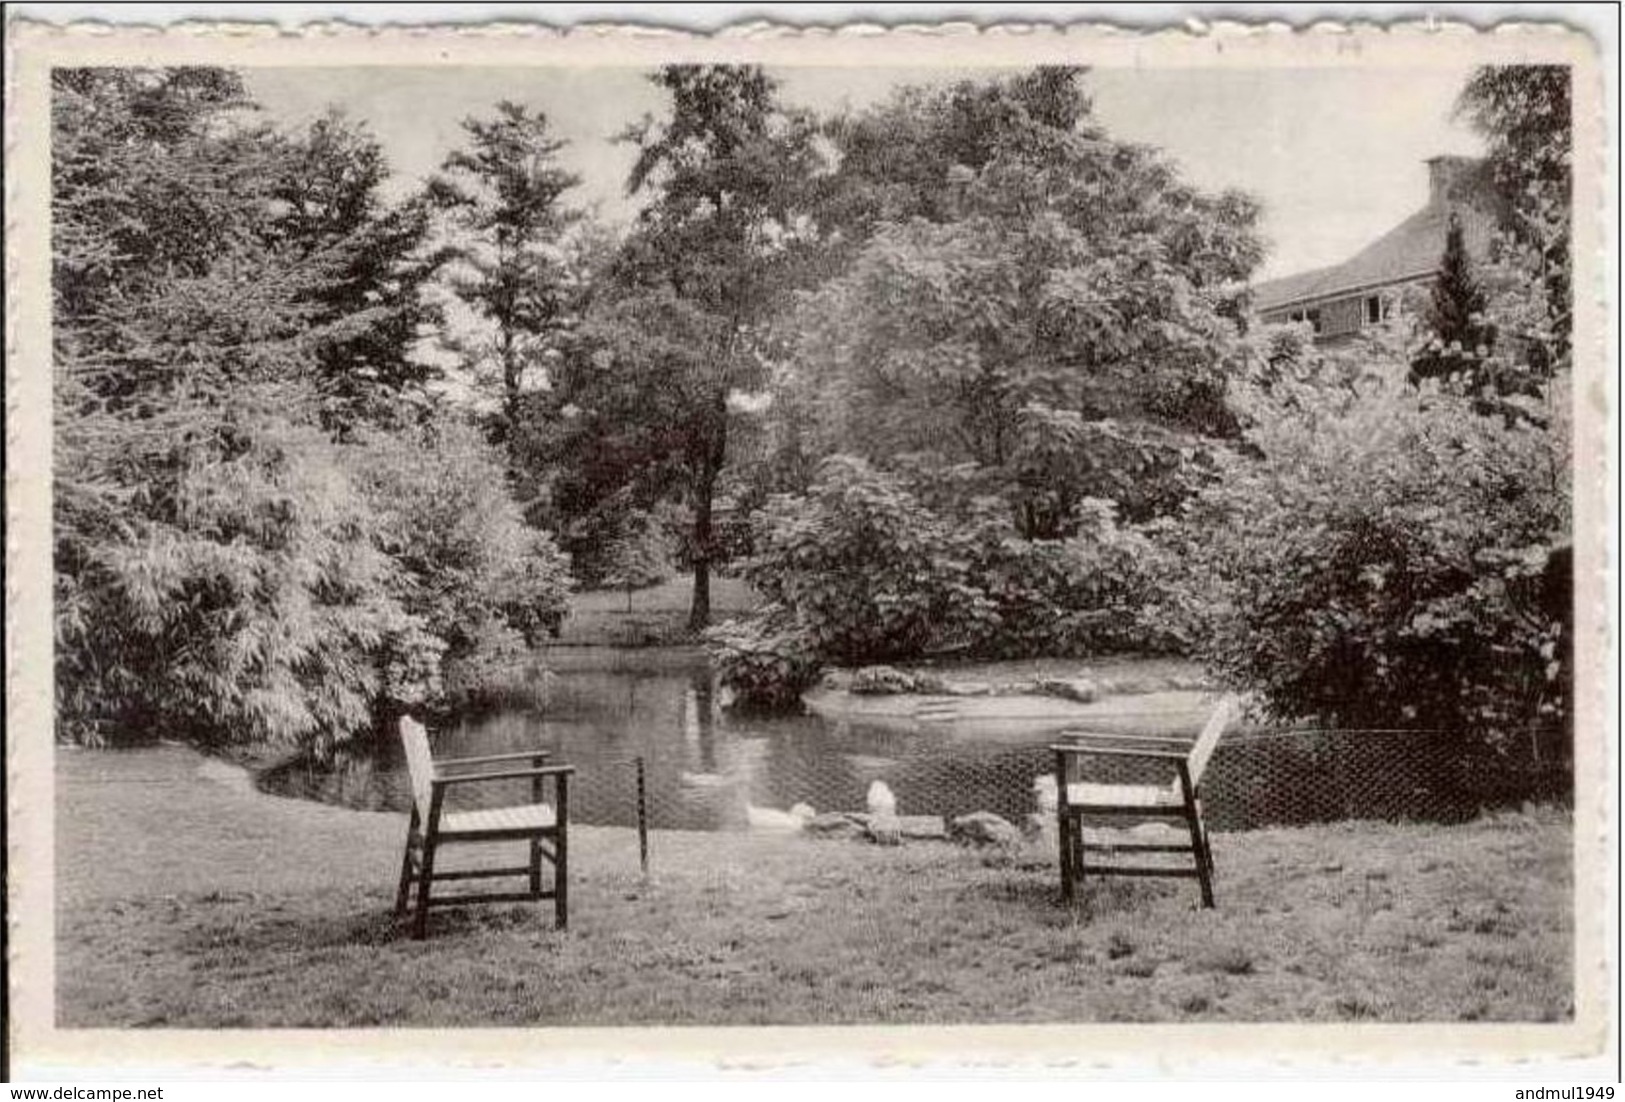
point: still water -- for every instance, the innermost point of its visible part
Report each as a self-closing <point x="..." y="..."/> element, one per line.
<point x="705" y="767"/>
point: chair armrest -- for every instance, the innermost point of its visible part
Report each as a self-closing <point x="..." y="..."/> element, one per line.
<point x="491" y="759"/>
<point x="1132" y="738"/>
<point x="1121" y="752"/>
<point x="561" y="772"/>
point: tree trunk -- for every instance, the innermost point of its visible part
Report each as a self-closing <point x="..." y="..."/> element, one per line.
<point x="699" y="611"/>
<point x="705" y="486"/>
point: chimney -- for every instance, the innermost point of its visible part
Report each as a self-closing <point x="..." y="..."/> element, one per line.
<point x="1452" y="180"/>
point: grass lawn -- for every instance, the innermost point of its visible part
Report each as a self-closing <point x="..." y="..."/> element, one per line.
<point x="658" y="614"/>
<point x="186" y="902"/>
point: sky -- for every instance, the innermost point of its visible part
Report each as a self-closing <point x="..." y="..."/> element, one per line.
<point x="1335" y="156"/>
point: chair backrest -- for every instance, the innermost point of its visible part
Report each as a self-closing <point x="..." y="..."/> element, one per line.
<point x="419" y="762"/>
<point x="1224" y="714"/>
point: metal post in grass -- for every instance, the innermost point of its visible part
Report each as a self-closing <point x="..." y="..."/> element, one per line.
<point x="643" y="819"/>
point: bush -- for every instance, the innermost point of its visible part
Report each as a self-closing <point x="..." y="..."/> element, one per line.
<point x="470" y="568"/>
<point x="862" y="570"/>
<point x="873" y="566"/>
<point x="1379" y="555"/>
<point x="766" y="666"/>
<point x="252" y="605"/>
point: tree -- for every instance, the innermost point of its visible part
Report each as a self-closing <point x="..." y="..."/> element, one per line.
<point x="1524" y="113"/>
<point x="228" y="567"/>
<point x="669" y="348"/>
<point x="216" y="576"/>
<point x="1052" y="306"/>
<point x="327" y="210"/>
<point x="1459" y="338"/>
<point x="503" y="197"/>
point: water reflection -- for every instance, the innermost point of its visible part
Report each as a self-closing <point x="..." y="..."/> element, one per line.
<point x="706" y="768"/>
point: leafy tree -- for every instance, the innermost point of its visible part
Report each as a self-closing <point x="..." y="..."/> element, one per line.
<point x="640" y="556"/>
<point x="227" y="570"/>
<point x="503" y="196"/>
<point x="669" y="348"/>
<point x="1525" y="114"/>
<point x="1035" y="299"/>
<point x="215" y="573"/>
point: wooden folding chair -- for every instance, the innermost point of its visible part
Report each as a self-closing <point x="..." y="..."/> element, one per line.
<point x="1180" y="799"/>
<point x="545" y="826"/>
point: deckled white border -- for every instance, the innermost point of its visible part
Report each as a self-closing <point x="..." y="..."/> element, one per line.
<point x="33" y="49"/>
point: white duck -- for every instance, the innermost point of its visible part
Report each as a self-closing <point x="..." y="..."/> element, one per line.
<point x="882" y="804"/>
<point x="770" y="818"/>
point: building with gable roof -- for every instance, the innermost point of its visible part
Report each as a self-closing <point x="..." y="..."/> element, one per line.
<point x="1346" y="298"/>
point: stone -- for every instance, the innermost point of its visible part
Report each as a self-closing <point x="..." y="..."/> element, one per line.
<point x="836" y="824"/>
<point x="1083" y="690"/>
<point x="923" y="828"/>
<point x="926" y="682"/>
<point x="804" y="812"/>
<point x="983" y="828"/>
<point x="881" y="681"/>
<point x="965" y="688"/>
<point x="885" y="830"/>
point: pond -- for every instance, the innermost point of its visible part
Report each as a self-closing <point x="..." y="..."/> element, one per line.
<point x="705" y="767"/>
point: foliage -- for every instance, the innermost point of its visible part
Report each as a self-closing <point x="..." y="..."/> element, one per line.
<point x="253" y="606"/>
<point x="765" y="661"/>
<point x="326" y="209"/>
<point x="1525" y="114"/>
<point x="469" y="569"/>
<point x="641" y="554"/>
<point x="1061" y="311"/>
<point x="667" y="351"/>
<point x="215" y="577"/>
<point x="864" y="569"/>
<point x="1459" y="340"/>
<point x="224" y="572"/>
<point x="1377" y="555"/>
<point x="503" y="198"/>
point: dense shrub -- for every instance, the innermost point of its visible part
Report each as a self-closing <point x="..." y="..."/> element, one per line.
<point x="1380" y="555"/>
<point x="876" y="566"/>
<point x="766" y="659"/>
<point x="479" y="579"/>
<point x="864" y="569"/>
<point x="253" y="605"/>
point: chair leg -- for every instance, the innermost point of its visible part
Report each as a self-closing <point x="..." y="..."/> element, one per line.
<point x="403" y="889"/>
<point x="1207" y="842"/>
<point x="1069" y="855"/>
<point x="561" y="879"/>
<point x="536" y="867"/>
<point x="420" y="922"/>
<point x="1204" y="864"/>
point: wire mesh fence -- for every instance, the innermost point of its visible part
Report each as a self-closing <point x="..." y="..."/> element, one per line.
<point x="1258" y="778"/>
<point x="709" y="776"/>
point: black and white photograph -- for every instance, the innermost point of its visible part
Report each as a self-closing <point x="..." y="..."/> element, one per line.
<point x="603" y="533"/>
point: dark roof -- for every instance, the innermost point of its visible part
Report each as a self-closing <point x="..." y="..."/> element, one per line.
<point x="1410" y="250"/>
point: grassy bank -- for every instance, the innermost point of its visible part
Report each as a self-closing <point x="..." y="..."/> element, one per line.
<point x="654" y="616"/>
<point x="188" y="902"/>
